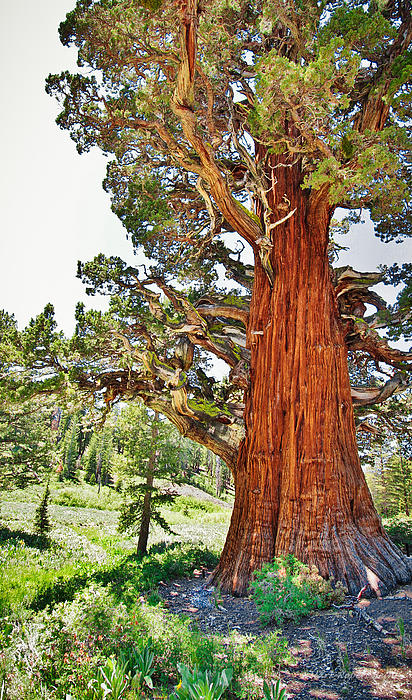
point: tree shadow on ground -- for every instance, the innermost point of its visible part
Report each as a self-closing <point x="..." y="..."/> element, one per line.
<point x="131" y="576"/>
<point x="40" y="542"/>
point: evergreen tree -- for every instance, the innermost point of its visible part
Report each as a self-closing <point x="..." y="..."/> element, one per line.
<point x="42" y="524"/>
<point x="26" y="445"/>
<point x="99" y="456"/>
<point x="398" y="484"/>
<point x="106" y="456"/>
<point x="26" y="440"/>
<point x="150" y="452"/>
<point x="71" y="448"/>
<point x="91" y="459"/>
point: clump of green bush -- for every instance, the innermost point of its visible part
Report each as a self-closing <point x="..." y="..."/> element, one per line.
<point x="97" y="642"/>
<point x="399" y="529"/>
<point x="185" y="504"/>
<point x="87" y="497"/>
<point x="286" y="589"/>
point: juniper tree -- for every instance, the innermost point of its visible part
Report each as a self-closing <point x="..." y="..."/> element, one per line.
<point x="253" y="119"/>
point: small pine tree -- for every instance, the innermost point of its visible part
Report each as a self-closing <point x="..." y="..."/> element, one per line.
<point x="42" y="524"/>
<point x="71" y="448"/>
<point x="98" y="458"/>
<point x="91" y="459"/>
<point x="150" y="452"/>
<point x="106" y="453"/>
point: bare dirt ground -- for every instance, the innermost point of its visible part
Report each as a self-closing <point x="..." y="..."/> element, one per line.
<point x="356" y="653"/>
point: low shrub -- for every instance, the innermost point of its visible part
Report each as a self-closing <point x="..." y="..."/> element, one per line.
<point x="66" y="650"/>
<point x="87" y="497"/>
<point x="185" y="504"/>
<point x="286" y="589"/>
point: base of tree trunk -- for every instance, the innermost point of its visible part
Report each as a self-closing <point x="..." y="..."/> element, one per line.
<point x="352" y="558"/>
<point x="300" y="488"/>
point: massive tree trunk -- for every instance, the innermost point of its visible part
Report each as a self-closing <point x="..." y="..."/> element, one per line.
<point x="299" y="484"/>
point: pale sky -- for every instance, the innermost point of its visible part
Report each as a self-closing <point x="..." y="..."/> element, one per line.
<point x="53" y="210"/>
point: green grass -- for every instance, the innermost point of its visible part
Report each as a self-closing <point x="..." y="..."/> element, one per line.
<point x="189" y="505"/>
<point x="87" y="497"/>
<point x="84" y="543"/>
<point x="69" y="601"/>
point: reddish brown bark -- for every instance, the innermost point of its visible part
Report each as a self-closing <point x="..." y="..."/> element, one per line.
<point x="299" y="484"/>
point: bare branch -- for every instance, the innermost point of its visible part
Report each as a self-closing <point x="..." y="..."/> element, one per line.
<point x="182" y="105"/>
<point x="365" y="396"/>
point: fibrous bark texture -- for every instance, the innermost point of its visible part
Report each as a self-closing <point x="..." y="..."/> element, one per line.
<point x="299" y="485"/>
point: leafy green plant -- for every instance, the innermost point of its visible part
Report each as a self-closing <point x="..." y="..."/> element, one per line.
<point x="6" y="629"/>
<point x="277" y="649"/>
<point x="217" y="597"/>
<point x="140" y="665"/>
<point x="320" y="642"/>
<point x="274" y="691"/>
<point x="402" y="636"/>
<point x="112" y="680"/>
<point x="201" y="684"/>
<point x="287" y="589"/>
<point x="344" y="659"/>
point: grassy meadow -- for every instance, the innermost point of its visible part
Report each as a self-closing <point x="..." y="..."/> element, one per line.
<point x="80" y="613"/>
